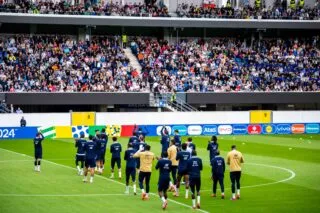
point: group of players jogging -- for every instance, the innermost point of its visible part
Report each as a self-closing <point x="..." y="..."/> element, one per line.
<point x="178" y="160"/>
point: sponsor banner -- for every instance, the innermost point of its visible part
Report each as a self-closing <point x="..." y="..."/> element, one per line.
<point x="194" y="130"/>
<point x="92" y="129"/>
<point x="283" y="129"/>
<point x="312" y="128"/>
<point x="298" y="128"/>
<point x="240" y="129"/>
<point x="159" y="129"/>
<point x="210" y="130"/>
<point x="225" y="129"/>
<point x="181" y="128"/>
<point x="48" y="131"/>
<point x="113" y="130"/>
<point x="254" y="129"/>
<point x="78" y="130"/>
<point x="63" y="132"/>
<point x="269" y="129"/>
<point x="127" y="130"/>
<point x="18" y="132"/>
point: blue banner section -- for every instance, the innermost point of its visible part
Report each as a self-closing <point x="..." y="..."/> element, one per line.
<point x="193" y="129"/>
<point x="17" y="132"/>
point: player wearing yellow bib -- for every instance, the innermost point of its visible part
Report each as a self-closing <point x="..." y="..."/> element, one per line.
<point x="234" y="160"/>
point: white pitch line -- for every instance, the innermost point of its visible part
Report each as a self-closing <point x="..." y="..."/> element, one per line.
<point x="59" y="195"/>
<point x="293" y="175"/>
<point x="68" y="167"/>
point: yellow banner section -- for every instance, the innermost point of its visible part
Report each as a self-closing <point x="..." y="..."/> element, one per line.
<point x="63" y="132"/>
<point x="83" y="118"/>
<point x="260" y="116"/>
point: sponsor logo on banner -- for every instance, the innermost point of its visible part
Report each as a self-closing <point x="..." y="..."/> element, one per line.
<point x="225" y="129"/>
<point x="182" y="129"/>
<point x="269" y="129"/>
<point x="298" y="128"/>
<point x="194" y="130"/>
<point x="283" y="129"/>
<point x="160" y="127"/>
<point x="254" y="129"/>
<point x="312" y="128"/>
<point x="239" y="129"/>
<point x="210" y="130"/>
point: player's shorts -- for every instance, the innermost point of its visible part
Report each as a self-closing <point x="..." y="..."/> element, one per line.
<point x="115" y="161"/>
<point x="195" y="183"/>
<point x="131" y="172"/>
<point x="38" y="154"/>
<point x="182" y="172"/>
<point x="101" y="155"/>
<point x="80" y="157"/>
<point x="163" y="184"/>
<point x="90" y="163"/>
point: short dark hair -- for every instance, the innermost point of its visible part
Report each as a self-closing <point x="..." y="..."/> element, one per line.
<point x="114" y="138"/>
<point x="176" y="131"/>
<point x="165" y="154"/>
<point x="218" y="152"/>
<point x="173" y="141"/>
<point x="233" y="147"/>
<point x="130" y="145"/>
<point x="90" y="137"/>
<point x="189" y="139"/>
<point x="194" y="153"/>
<point x="148" y="147"/>
<point x="141" y="137"/>
<point x="103" y="130"/>
<point x="82" y="135"/>
<point x="184" y="146"/>
<point x="97" y="130"/>
<point x="214" y="138"/>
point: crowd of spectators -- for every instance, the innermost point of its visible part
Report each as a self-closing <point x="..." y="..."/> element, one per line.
<point x="89" y="8"/>
<point x="250" y="12"/>
<point x="50" y="63"/>
<point x="229" y="64"/>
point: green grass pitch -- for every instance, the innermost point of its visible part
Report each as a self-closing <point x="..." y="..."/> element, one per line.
<point x="280" y="174"/>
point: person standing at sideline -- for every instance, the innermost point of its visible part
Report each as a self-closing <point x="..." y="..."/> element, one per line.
<point x="234" y="160"/>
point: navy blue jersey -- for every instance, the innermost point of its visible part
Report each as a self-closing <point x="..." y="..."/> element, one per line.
<point x="37" y="141"/>
<point x="80" y="145"/>
<point x="212" y="148"/>
<point x="194" y="166"/>
<point x="218" y="166"/>
<point x="139" y="146"/>
<point x="91" y="150"/>
<point x="116" y="149"/>
<point x="128" y="156"/>
<point x="102" y="144"/>
<point x="183" y="158"/>
<point x="192" y="146"/>
<point x="164" y="166"/>
<point x="165" y="142"/>
<point x="133" y="139"/>
<point x="177" y="141"/>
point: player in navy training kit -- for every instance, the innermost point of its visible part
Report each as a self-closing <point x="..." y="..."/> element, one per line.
<point x="90" y="162"/>
<point x="130" y="168"/>
<point x="165" y="140"/>
<point x="139" y="132"/>
<point x="183" y="156"/>
<point x="177" y="139"/>
<point x="191" y="145"/>
<point x="194" y="166"/>
<point x="164" y="166"/>
<point x="218" y="168"/>
<point x="101" y="146"/>
<point x="212" y="147"/>
<point x="139" y="146"/>
<point x="116" y="150"/>
<point x="80" y="156"/>
<point x="37" y="142"/>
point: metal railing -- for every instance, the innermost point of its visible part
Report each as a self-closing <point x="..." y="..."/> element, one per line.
<point x="165" y="100"/>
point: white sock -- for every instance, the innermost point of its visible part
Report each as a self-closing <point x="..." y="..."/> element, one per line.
<point x="233" y="195"/>
<point x="238" y="191"/>
<point x="193" y="202"/>
<point x="91" y="179"/>
<point x="171" y="184"/>
<point x="142" y="190"/>
<point x="78" y="168"/>
<point x="177" y="190"/>
<point x="36" y="168"/>
<point x="119" y="174"/>
<point x="222" y="193"/>
<point x="187" y="193"/>
<point x="198" y="199"/>
<point x="39" y="168"/>
<point x="163" y="199"/>
<point x="127" y="188"/>
<point x="134" y="188"/>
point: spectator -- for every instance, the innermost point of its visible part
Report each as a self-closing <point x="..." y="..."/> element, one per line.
<point x="23" y="122"/>
<point x="19" y="111"/>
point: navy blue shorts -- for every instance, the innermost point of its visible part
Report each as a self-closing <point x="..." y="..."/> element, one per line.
<point x="195" y="184"/>
<point x="163" y="184"/>
<point x="101" y="155"/>
<point x="115" y="161"/>
<point x="130" y="172"/>
<point x="80" y="157"/>
<point x="90" y="163"/>
<point x="182" y="172"/>
<point x="38" y="154"/>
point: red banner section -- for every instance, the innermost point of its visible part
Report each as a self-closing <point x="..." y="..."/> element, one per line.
<point x="126" y="130"/>
<point x="254" y="129"/>
<point x="297" y="128"/>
